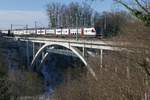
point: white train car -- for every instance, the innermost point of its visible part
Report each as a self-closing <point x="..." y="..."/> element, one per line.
<point x="89" y="32"/>
<point x="65" y="31"/>
<point x="4" y="31"/>
<point x="58" y="31"/>
<point x="26" y="32"/>
<point x="74" y="32"/>
<point x="31" y="31"/>
<point x="21" y="32"/>
<point x="41" y="32"/>
<point x="50" y="32"/>
<point x="18" y="32"/>
<point x="15" y="32"/>
<point x="62" y="32"/>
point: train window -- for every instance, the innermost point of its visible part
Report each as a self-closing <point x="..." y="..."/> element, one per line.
<point x="93" y="30"/>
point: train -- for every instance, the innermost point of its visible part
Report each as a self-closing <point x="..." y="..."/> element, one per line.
<point x="63" y="32"/>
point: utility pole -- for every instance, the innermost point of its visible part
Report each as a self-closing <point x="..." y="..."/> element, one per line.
<point x="61" y="30"/>
<point x="11" y="28"/>
<point x="77" y="26"/>
<point x="105" y="22"/>
<point x="101" y="58"/>
<point x="26" y="28"/>
<point x="33" y="49"/>
<point x="35" y="27"/>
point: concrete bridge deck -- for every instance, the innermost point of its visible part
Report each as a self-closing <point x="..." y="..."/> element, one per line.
<point x="93" y="44"/>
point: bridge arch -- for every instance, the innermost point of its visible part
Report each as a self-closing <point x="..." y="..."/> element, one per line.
<point x="74" y="50"/>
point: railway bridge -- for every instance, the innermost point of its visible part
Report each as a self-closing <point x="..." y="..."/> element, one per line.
<point x="72" y="47"/>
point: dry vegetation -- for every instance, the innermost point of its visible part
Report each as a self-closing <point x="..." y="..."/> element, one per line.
<point x="124" y="75"/>
<point x="4" y="83"/>
<point x="134" y="32"/>
<point x="25" y="83"/>
<point x="16" y="82"/>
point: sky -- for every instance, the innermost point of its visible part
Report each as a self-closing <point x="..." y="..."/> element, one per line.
<point x="22" y="12"/>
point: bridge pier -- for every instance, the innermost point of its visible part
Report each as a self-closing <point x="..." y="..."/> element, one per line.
<point x="40" y="45"/>
<point x="83" y="52"/>
<point x="101" y="58"/>
<point x="27" y="52"/>
<point x="33" y="48"/>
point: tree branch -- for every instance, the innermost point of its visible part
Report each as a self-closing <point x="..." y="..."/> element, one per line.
<point x="125" y="5"/>
<point x="142" y="7"/>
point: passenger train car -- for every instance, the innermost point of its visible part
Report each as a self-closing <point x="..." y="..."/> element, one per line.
<point x="66" y="32"/>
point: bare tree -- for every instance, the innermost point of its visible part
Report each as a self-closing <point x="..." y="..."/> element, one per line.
<point x="71" y="15"/>
<point x="141" y="10"/>
<point x="53" y="14"/>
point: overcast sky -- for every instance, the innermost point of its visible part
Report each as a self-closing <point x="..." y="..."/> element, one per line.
<point x="22" y="12"/>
